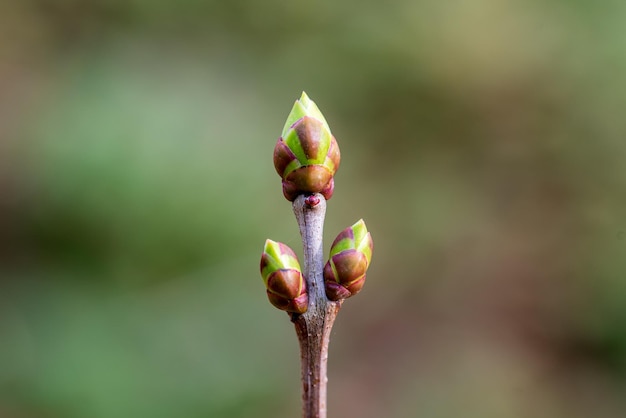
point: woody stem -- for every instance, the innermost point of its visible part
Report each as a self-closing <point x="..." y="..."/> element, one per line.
<point x="314" y="326"/>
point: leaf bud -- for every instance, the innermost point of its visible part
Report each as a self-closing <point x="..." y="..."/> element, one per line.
<point x="280" y="269"/>
<point x="306" y="155"/>
<point x="350" y="256"/>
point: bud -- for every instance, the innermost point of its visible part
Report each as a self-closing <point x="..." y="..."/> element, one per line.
<point x="350" y="256"/>
<point x="306" y="155"/>
<point x="280" y="269"/>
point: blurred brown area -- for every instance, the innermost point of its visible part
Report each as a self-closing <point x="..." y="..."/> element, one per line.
<point x="483" y="142"/>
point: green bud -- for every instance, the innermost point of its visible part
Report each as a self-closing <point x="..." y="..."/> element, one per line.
<point x="306" y="155"/>
<point x="350" y="256"/>
<point x="280" y="269"/>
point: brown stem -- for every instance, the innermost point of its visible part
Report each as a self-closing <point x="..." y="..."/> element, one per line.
<point x="314" y="337"/>
<point x="314" y="326"/>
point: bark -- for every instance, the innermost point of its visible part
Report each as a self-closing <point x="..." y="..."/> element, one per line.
<point x="314" y="326"/>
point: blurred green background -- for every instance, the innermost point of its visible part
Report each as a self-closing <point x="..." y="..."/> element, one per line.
<point x="483" y="142"/>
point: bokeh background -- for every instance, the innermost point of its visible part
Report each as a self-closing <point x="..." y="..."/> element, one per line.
<point x="483" y="142"/>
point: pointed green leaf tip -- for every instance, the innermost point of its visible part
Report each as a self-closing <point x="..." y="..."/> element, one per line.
<point x="350" y="257"/>
<point x="354" y="237"/>
<point x="306" y="155"/>
<point x="277" y="256"/>
<point x="304" y="106"/>
<point x="280" y="269"/>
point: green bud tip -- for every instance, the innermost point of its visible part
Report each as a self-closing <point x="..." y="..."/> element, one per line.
<point x="350" y="257"/>
<point x="280" y="270"/>
<point x="306" y="155"/>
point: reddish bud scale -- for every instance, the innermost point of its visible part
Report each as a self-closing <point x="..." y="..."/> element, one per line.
<point x="344" y="274"/>
<point x="282" y="291"/>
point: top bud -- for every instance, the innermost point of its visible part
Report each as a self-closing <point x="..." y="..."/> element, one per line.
<point x="306" y="155"/>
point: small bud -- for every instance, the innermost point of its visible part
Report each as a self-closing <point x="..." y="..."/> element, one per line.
<point x="312" y="200"/>
<point x="280" y="269"/>
<point x="350" y="256"/>
<point x="306" y="155"/>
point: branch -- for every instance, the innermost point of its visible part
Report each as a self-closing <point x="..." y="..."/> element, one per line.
<point x="314" y="326"/>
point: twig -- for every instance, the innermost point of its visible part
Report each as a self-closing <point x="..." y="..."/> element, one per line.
<point x="314" y="326"/>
